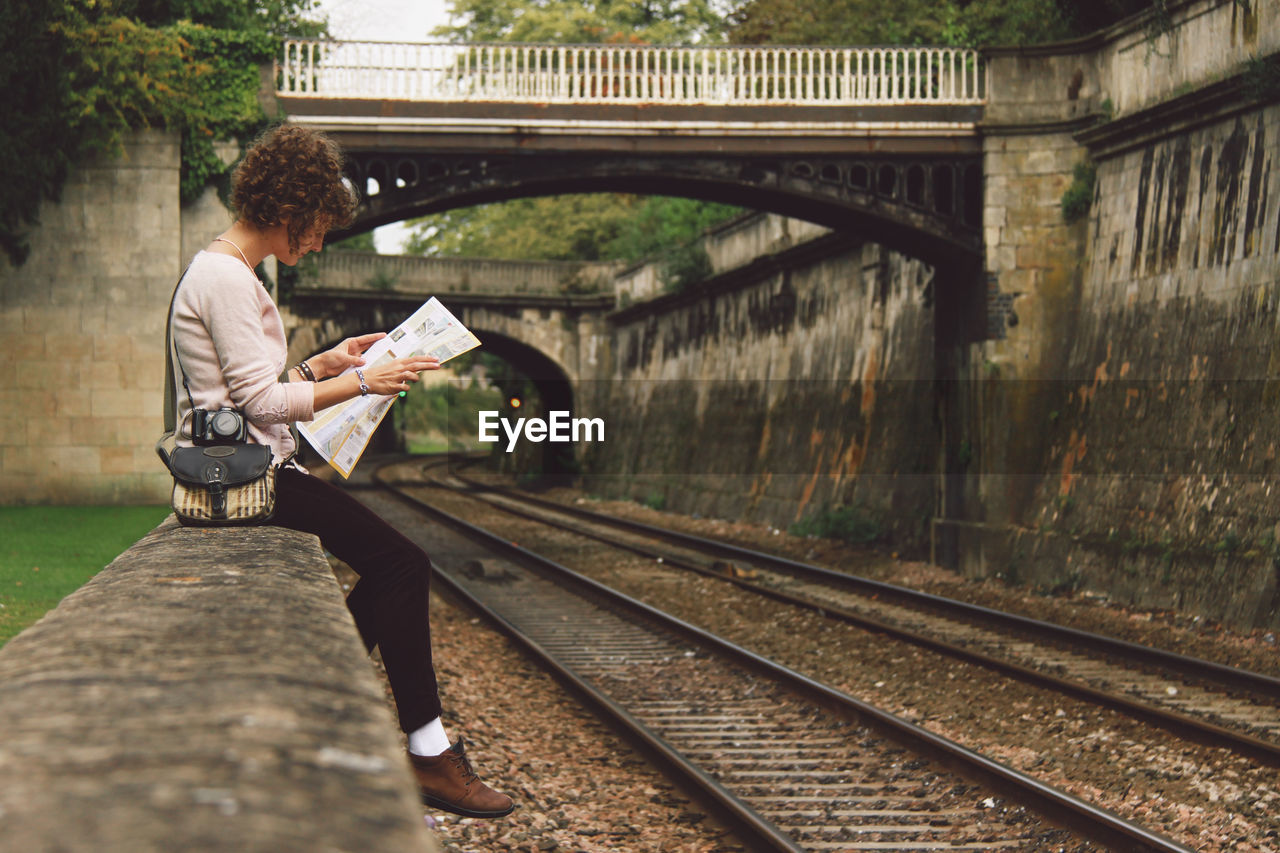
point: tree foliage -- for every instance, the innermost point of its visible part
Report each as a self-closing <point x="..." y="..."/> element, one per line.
<point x="35" y="106"/>
<point x="226" y="93"/>
<point x="567" y="227"/>
<point x="279" y="18"/>
<point x="79" y="74"/>
<point x="964" y="23"/>
<point x="584" y="21"/>
<point x="588" y="227"/>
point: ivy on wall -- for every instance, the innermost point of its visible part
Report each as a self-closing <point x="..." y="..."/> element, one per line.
<point x="226" y="90"/>
<point x="1078" y="197"/>
<point x="78" y="75"/>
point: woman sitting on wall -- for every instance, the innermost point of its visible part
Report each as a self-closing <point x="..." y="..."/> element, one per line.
<point x="288" y="192"/>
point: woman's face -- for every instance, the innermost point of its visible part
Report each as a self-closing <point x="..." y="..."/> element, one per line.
<point x="312" y="240"/>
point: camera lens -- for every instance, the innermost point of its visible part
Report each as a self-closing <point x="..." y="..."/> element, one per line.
<point x="225" y="424"/>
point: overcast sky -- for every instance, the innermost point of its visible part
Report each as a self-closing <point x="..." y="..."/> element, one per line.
<point x="384" y="20"/>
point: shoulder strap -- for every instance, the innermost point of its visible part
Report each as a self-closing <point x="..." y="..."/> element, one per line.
<point x="170" y="415"/>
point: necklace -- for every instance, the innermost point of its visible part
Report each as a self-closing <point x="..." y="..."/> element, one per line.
<point x="238" y="249"/>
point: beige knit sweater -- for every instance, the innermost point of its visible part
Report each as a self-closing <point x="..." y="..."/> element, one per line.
<point x="230" y="341"/>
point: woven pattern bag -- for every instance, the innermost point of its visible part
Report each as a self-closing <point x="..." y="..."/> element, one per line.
<point x="223" y="484"/>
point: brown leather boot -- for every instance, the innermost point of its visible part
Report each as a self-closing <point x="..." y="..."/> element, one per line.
<point x="447" y="782"/>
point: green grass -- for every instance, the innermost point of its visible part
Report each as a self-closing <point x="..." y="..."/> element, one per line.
<point x="48" y="552"/>
<point x="851" y="524"/>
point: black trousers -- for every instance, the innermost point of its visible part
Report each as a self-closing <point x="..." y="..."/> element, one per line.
<point x="390" y="600"/>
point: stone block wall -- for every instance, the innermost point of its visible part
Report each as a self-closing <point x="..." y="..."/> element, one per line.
<point x="1122" y="434"/>
<point x="774" y="396"/>
<point x="82" y="334"/>
<point x="1160" y="470"/>
<point x="1032" y="282"/>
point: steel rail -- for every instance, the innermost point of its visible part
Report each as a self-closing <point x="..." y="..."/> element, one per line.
<point x="738" y="815"/>
<point x="1183" y="725"/>
<point x="762" y="834"/>
<point x="1227" y="676"/>
<point x="1058" y="806"/>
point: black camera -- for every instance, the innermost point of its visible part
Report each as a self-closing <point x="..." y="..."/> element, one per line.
<point x="224" y="426"/>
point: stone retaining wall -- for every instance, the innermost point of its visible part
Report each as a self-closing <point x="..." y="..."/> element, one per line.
<point x="1120" y="437"/>
<point x="206" y="691"/>
<point x="774" y="392"/>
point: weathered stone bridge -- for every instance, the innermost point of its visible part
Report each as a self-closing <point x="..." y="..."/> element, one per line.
<point x="545" y="316"/>
<point x="882" y="140"/>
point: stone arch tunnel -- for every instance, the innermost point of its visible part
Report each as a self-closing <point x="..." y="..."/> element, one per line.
<point x="521" y="336"/>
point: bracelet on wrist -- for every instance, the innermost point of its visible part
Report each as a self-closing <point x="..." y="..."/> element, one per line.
<point x="304" y="370"/>
<point x="364" y="387"/>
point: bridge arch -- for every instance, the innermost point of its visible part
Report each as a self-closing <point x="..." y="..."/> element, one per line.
<point x="926" y="206"/>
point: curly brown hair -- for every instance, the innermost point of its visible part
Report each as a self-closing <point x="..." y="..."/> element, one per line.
<point x="293" y="174"/>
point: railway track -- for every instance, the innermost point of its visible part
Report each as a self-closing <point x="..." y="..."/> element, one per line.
<point x="791" y="763"/>
<point x="1213" y="704"/>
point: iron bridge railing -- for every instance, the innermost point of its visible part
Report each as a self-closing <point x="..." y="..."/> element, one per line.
<point x="628" y="74"/>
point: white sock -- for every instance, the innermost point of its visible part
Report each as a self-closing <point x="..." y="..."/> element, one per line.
<point x="430" y="739"/>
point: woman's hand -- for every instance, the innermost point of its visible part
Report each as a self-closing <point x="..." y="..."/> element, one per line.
<point x="344" y="355"/>
<point x="383" y="379"/>
<point x="392" y="377"/>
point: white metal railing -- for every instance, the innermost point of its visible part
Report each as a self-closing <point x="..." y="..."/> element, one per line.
<point x="527" y="73"/>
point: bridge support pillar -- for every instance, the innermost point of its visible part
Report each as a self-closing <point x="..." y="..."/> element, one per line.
<point x="997" y="416"/>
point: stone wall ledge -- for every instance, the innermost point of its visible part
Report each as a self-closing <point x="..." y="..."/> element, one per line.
<point x="1209" y="104"/>
<point x="810" y="251"/>
<point x="206" y="691"/>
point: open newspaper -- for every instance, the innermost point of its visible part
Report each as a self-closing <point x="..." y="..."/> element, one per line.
<point x="341" y="433"/>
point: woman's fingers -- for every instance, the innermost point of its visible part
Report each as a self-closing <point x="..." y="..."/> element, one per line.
<point x="359" y="344"/>
<point x="417" y="364"/>
<point x="409" y="372"/>
<point x="395" y="376"/>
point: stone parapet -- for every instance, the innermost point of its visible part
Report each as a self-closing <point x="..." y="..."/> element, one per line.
<point x="206" y="691"/>
<point x="1144" y="60"/>
<point x="347" y="272"/>
<point x="1148" y="60"/>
